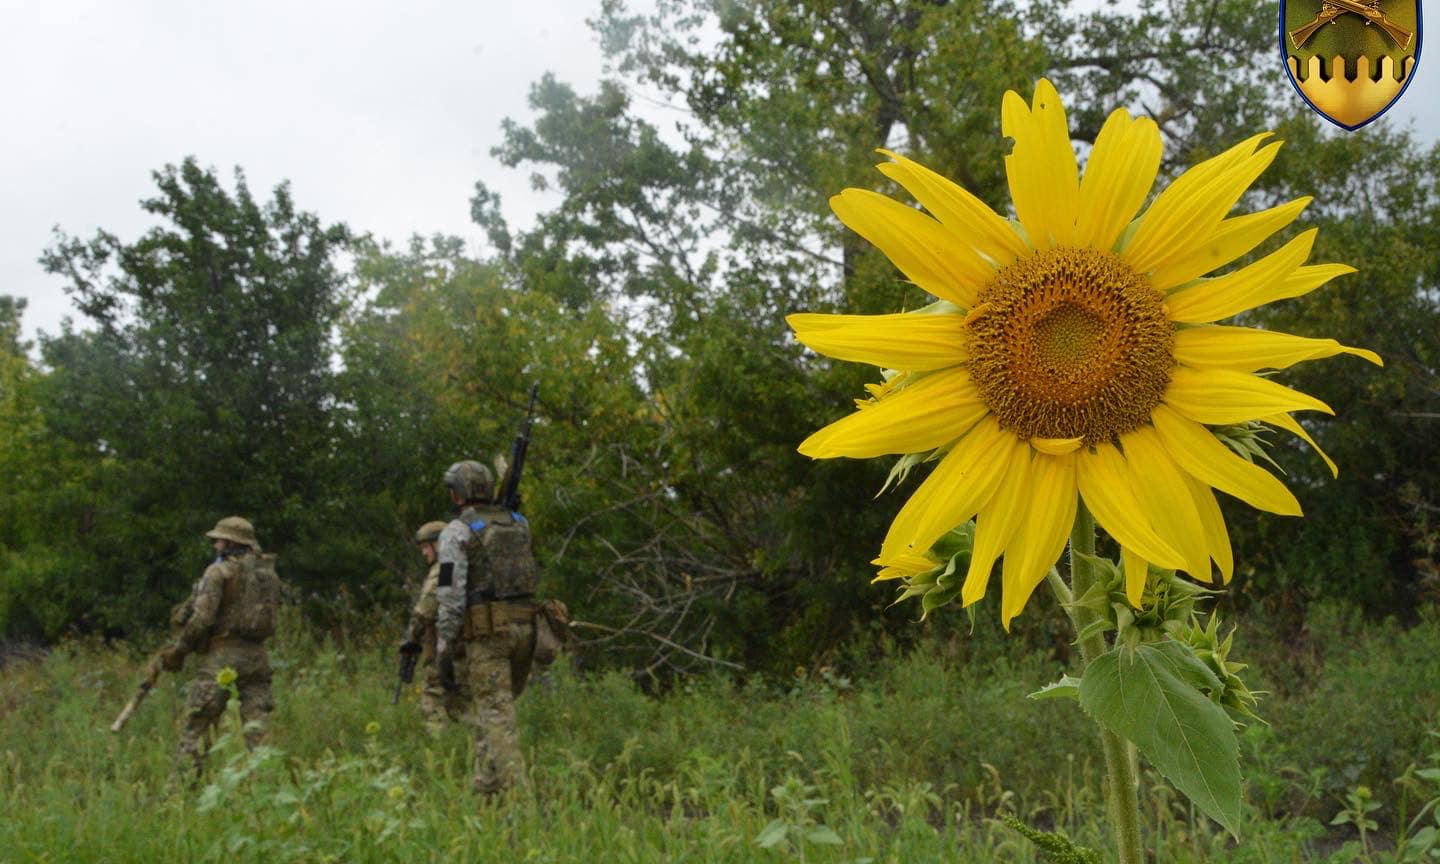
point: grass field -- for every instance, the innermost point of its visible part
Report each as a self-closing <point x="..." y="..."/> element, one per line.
<point x="916" y="757"/>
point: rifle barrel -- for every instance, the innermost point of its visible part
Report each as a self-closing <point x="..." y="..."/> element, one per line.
<point x="129" y="710"/>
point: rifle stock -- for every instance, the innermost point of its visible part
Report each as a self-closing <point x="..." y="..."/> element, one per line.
<point x="1398" y="34"/>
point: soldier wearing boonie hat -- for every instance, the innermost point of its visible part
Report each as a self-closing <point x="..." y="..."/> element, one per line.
<point x="231" y="612"/>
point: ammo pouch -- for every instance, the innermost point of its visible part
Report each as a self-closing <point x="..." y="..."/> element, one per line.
<point x="549" y="624"/>
<point x="486" y="619"/>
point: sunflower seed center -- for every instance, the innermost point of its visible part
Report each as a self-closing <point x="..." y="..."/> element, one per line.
<point x="1070" y="343"/>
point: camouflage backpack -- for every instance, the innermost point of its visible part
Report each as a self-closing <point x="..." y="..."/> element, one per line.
<point x="502" y="566"/>
<point x="258" y="601"/>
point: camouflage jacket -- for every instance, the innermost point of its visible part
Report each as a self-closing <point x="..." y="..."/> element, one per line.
<point x="422" y="617"/>
<point x="214" y="605"/>
<point x="425" y="603"/>
<point x="452" y="575"/>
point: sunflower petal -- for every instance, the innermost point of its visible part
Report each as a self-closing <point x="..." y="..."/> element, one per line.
<point x="1219" y="396"/>
<point x="928" y="253"/>
<point x="1104" y="481"/>
<point x="933" y="411"/>
<point x="1118" y="177"/>
<point x="1041" y="537"/>
<point x="1233" y="238"/>
<point x="960" y="211"/>
<point x="1137" y="571"/>
<point x="1289" y="424"/>
<point x="1242" y="349"/>
<point x="1203" y="457"/>
<point x="1044" y="179"/>
<point x="1165" y="500"/>
<point x="1217" y="540"/>
<point x="1179" y="222"/>
<point x="1056" y="446"/>
<point x="955" y="491"/>
<point x="1213" y="299"/>
<point x="997" y="521"/>
<point x="1304" y="280"/>
<point x="906" y="341"/>
<point x="902" y="566"/>
<point x="1299" y="282"/>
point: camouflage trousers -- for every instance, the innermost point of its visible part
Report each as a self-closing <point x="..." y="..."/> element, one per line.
<point x="206" y="701"/>
<point x="440" y="706"/>
<point x="496" y="659"/>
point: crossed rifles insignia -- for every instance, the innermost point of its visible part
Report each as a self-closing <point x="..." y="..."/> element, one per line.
<point x="1350" y="60"/>
<point x="1370" y="11"/>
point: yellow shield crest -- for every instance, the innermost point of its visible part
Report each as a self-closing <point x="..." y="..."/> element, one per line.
<point x="1350" y="60"/>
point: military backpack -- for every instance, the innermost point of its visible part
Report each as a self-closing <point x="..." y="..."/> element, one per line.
<point x="258" y="601"/>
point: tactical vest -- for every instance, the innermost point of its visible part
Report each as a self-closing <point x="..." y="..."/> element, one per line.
<point x="251" y="604"/>
<point x="501" y="566"/>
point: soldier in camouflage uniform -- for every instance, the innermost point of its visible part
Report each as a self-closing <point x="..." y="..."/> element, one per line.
<point x="485" y="589"/>
<point x="437" y="703"/>
<point x="230" y="613"/>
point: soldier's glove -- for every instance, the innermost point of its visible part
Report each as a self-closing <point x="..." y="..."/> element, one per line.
<point x="445" y="664"/>
<point x="447" y="674"/>
<point x="171" y="660"/>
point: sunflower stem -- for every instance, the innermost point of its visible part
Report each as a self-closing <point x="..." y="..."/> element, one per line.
<point x="1121" y="794"/>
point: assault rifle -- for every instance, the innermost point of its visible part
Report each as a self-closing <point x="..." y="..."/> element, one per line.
<point x="152" y="674"/>
<point x="509" y="497"/>
<point x="409" y="656"/>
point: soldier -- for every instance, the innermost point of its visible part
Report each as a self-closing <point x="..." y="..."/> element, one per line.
<point x="227" y="619"/>
<point x="437" y="703"/>
<point x="485" y="589"/>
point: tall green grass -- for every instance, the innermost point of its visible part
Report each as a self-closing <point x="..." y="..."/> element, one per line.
<point x="916" y="758"/>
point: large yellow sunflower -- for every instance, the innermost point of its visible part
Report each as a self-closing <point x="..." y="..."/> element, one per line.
<point x="1073" y="350"/>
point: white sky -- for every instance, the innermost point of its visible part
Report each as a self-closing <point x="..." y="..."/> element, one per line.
<point x="381" y="114"/>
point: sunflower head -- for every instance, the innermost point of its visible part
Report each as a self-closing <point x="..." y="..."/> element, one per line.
<point x="1074" y="353"/>
<point x="1070" y="343"/>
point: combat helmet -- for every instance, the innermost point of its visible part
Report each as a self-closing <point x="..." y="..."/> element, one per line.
<point x="470" y="480"/>
<point x="429" y="532"/>
<point x="236" y="529"/>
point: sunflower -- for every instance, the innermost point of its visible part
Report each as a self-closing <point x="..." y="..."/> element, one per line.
<point x="1073" y="352"/>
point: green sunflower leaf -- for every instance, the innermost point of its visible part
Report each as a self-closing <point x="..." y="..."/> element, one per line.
<point x="1068" y="687"/>
<point x="1149" y="696"/>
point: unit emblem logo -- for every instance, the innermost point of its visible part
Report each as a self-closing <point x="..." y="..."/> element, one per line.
<point x="1350" y="59"/>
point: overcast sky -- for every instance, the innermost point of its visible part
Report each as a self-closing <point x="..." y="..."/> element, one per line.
<point x="381" y="114"/>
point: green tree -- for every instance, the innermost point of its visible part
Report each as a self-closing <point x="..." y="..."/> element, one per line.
<point x="36" y="498"/>
<point x="204" y="388"/>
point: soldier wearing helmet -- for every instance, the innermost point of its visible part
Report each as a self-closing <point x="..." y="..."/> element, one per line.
<point x="231" y="612"/>
<point x="484" y="590"/>
<point x="437" y="703"/>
